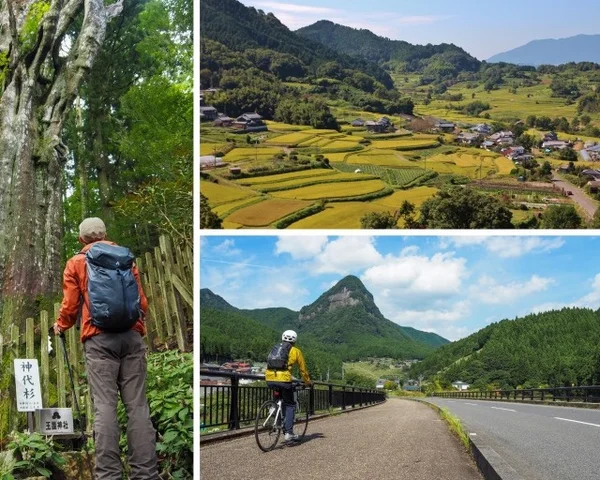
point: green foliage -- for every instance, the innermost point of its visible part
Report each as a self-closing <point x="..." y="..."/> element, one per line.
<point x="464" y="208"/>
<point x="390" y="385"/>
<point x="311" y="112"/>
<point x="561" y="217"/>
<point x="208" y="219"/>
<point x="456" y="426"/>
<point x="378" y="221"/>
<point x="34" y="455"/>
<point x="299" y="215"/>
<point x="4" y="62"/>
<point x="568" y="154"/>
<point x="29" y="32"/>
<point x="557" y="348"/>
<point x="170" y="397"/>
<point x="358" y="380"/>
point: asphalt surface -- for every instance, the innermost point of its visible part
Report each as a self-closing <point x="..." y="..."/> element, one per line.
<point x="586" y="203"/>
<point x="540" y="442"/>
<point x="399" y="439"/>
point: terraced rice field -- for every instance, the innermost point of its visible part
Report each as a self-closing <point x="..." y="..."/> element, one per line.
<point x="383" y="158"/>
<point x="337" y="157"/>
<point x="291" y="139"/>
<point x="210" y="148"/>
<point x="218" y="194"/>
<point x="341" y="144"/>
<point x="397" y="177"/>
<point x="265" y="213"/>
<point x="345" y="215"/>
<point x="505" y="166"/>
<point x="305" y="182"/>
<point x="333" y="190"/>
<point x="409" y="143"/>
<point x="284" y="177"/>
<point x="227" y="208"/>
<point x="461" y="164"/>
<point x="251" y="153"/>
<point x="285" y="127"/>
<point x="414" y="195"/>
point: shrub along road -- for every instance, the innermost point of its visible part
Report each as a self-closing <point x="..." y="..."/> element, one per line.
<point x="399" y="439"/>
<point x="538" y="441"/>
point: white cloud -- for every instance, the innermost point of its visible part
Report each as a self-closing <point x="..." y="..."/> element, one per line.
<point x="489" y="291"/>
<point x="227" y="249"/>
<point x="590" y="300"/>
<point x="505" y="247"/>
<point x="412" y="274"/>
<point x="300" y="247"/>
<point x="346" y="255"/>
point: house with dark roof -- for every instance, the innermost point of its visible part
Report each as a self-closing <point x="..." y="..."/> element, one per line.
<point x="468" y="138"/>
<point x="382" y="125"/>
<point x="359" y="122"/>
<point x="250" y="122"/>
<point x="460" y="385"/>
<point x="445" y="126"/>
<point x="208" y="113"/>
<point x="482" y="128"/>
<point x="555" y="145"/>
<point x="223" y="121"/>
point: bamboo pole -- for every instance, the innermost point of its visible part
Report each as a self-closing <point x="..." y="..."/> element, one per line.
<point x="153" y="301"/>
<point x="162" y="284"/>
<point x="61" y="385"/>
<point x="44" y="359"/>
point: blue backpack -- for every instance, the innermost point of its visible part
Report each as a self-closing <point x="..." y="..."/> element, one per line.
<point x="114" y="297"/>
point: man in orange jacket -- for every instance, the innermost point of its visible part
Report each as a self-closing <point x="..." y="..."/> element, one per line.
<point x="115" y="357"/>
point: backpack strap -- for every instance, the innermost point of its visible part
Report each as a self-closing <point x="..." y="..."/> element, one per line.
<point x="81" y="301"/>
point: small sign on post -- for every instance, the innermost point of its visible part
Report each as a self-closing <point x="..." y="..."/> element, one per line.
<point x="55" y="421"/>
<point x="27" y="382"/>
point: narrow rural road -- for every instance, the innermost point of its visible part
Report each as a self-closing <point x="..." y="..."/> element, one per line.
<point x="586" y="203"/>
<point x="399" y="439"/>
<point x="540" y="442"/>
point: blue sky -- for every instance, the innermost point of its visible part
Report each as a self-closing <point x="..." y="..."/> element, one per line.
<point x="449" y="285"/>
<point x="483" y="28"/>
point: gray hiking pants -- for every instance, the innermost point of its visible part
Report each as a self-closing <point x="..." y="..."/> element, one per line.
<point x="116" y="363"/>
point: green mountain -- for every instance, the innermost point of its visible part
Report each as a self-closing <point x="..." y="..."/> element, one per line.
<point x="241" y="28"/>
<point x="344" y="323"/>
<point x="438" y="60"/>
<point x="552" y="348"/>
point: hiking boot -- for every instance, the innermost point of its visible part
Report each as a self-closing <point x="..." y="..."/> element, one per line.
<point x="290" y="437"/>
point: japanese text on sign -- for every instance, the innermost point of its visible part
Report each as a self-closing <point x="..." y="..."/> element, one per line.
<point x="27" y="381"/>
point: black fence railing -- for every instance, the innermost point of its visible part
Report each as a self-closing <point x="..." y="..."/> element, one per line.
<point x="588" y="394"/>
<point x="235" y="405"/>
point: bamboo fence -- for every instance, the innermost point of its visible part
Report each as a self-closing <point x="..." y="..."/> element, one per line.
<point x="167" y="279"/>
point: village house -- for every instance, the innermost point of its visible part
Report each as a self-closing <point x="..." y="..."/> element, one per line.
<point x="445" y="126"/>
<point x="359" y="122"/>
<point x="468" y="138"/>
<point x="210" y="161"/>
<point x="518" y="159"/>
<point x="555" y="145"/>
<point x="482" y="128"/>
<point x="550" y="137"/>
<point x="411" y="386"/>
<point x="592" y="153"/>
<point x="594" y="186"/>
<point x="250" y="122"/>
<point x="488" y="145"/>
<point x="382" y="125"/>
<point x="208" y="113"/>
<point x="223" y="121"/>
<point x="460" y="385"/>
<point x="591" y="174"/>
<point x="502" y="138"/>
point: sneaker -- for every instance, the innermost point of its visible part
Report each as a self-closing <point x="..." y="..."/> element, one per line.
<point x="290" y="437"/>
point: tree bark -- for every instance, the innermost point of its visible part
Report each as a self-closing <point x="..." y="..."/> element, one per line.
<point x="40" y="85"/>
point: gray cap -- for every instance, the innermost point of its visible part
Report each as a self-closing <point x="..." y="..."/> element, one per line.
<point x="92" y="229"/>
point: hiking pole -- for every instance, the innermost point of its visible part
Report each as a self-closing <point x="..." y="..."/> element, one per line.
<point x="76" y="402"/>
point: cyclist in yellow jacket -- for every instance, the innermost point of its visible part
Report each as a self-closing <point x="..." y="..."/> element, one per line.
<point x="279" y="376"/>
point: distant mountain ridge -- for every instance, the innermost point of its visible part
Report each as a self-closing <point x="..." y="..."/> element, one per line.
<point x="365" y="44"/>
<point x="580" y="48"/>
<point x="343" y="321"/>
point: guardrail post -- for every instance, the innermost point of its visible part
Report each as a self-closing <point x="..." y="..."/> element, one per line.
<point x="330" y="399"/>
<point x="360" y="398"/>
<point x="234" y="421"/>
<point x="343" y="398"/>
<point x="353" y="403"/>
<point x="311" y="400"/>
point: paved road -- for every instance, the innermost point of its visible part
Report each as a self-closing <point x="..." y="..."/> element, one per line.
<point x="586" y="203"/>
<point x="540" y="442"/>
<point x="399" y="439"/>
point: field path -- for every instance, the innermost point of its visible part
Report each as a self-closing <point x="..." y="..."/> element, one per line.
<point x="400" y="439"/>
<point x="586" y="203"/>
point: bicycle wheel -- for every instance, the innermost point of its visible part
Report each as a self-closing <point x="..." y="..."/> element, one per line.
<point x="266" y="430"/>
<point x="302" y="415"/>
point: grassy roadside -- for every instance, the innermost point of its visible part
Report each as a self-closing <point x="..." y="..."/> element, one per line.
<point x="455" y="425"/>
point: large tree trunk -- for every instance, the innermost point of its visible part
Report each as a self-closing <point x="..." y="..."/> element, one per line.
<point x="40" y="84"/>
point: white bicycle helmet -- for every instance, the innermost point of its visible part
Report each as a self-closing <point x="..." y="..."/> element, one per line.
<point x="289" y="336"/>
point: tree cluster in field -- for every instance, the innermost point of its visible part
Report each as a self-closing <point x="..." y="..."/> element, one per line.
<point x="556" y="348"/>
<point x="466" y="208"/>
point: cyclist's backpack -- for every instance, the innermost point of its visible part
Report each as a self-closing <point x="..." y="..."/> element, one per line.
<point x="278" y="357"/>
<point x="114" y="298"/>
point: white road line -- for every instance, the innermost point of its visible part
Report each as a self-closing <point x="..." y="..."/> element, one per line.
<point x="466" y="403"/>
<point x="473" y="434"/>
<point x="577" y="421"/>
<point x="505" y="409"/>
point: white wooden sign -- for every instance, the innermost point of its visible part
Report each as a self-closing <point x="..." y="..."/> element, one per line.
<point x="27" y="381"/>
<point x="55" y="421"/>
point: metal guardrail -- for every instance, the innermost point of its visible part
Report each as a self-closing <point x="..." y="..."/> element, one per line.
<point x="587" y="394"/>
<point x="236" y="404"/>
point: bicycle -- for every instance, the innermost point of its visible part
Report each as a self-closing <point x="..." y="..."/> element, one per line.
<point x="270" y="419"/>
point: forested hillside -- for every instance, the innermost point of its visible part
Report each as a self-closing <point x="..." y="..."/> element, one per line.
<point x="344" y="324"/>
<point x="434" y="60"/>
<point x="553" y="348"/>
